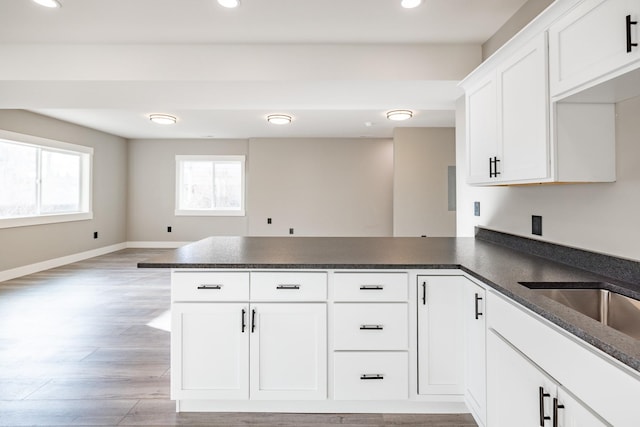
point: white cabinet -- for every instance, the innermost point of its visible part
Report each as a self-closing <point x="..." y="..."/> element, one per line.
<point x="521" y="394"/>
<point x="507" y="119"/>
<point x="202" y="368"/>
<point x="596" y="39"/>
<point x="482" y="130"/>
<point x="523" y="114"/>
<point x="475" y="350"/>
<point x="440" y="334"/>
<point x="371" y="375"/>
<point x="288" y="350"/>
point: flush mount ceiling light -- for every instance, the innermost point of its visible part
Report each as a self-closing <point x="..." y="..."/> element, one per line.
<point x="48" y="3"/>
<point x="162" y="119"/>
<point x="410" y="4"/>
<point x="279" y="119"/>
<point x="398" y="115"/>
<point x="230" y="4"/>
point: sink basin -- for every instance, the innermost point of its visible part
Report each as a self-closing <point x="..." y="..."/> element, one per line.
<point x="610" y="308"/>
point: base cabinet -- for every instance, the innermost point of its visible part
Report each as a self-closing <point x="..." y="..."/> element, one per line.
<point x="201" y="368"/>
<point x="236" y="351"/>
<point x="475" y="350"/>
<point x="521" y="394"/>
<point x="440" y="334"/>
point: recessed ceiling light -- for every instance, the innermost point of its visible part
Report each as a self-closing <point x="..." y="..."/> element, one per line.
<point x="162" y="119"/>
<point x="398" y="115"/>
<point x="410" y="4"/>
<point x="49" y="3"/>
<point x="230" y="4"/>
<point x="279" y="119"/>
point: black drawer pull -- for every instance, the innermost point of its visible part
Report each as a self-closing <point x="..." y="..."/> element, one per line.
<point x="478" y="313"/>
<point x="244" y="320"/>
<point x="288" y="287"/>
<point x="372" y="377"/>
<point x="371" y="327"/>
<point x="629" y="24"/>
<point x="210" y="287"/>
<point x="542" y="395"/>
<point x="371" y="287"/>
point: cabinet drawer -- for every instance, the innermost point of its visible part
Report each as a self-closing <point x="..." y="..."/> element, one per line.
<point x="288" y="286"/>
<point x="209" y="286"/>
<point x="371" y="376"/>
<point x="370" y="326"/>
<point x="370" y="287"/>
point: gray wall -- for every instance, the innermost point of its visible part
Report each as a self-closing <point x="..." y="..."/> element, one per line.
<point x="151" y="201"/>
<point x="522" y="17"/>
<point x="327" y="187"/>
<point x="21" y="246"/>
<point x="598" y="217"/>
<point x="420" y="196"/>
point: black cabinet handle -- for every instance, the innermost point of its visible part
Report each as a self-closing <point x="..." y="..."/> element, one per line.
<point x="556" y="406"/>
<point x="288" y="287"/>
<point x="478" y="299"/>
<point x="210" y="287"/>
<point x="493" y="167"/>
<point x="543" y="417"/>
<point x="253" y="320"/>
<point x="371" y="288"/>
<point x="244" y="318"/>
<point x="372" y="377"/>
<point x="424" y="293"/>
<point x="629" y="23"/>
<point x="371" y="327"/>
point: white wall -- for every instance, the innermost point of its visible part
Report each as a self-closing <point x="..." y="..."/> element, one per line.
<point x="320" y="187"/>
<point x="151" y="199"/>
<point x="22" y="246"/>
<point x="598" y="217"/>
<point x="420" y="196"/>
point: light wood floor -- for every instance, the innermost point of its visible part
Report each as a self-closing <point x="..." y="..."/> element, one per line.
<point x="76" y="349"/>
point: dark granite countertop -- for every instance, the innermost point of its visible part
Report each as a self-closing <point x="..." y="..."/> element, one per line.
<point x="500" y="267"/>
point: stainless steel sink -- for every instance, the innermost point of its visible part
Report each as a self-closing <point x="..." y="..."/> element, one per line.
<point x="610" y="308"/>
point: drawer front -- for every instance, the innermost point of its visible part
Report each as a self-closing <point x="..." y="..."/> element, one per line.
<point x="373" y="326"/>
<point x="371" y="376"/>
<point x="209" y="286"/>
<point x="371" y="287"/>
<point x="289" y="286"/>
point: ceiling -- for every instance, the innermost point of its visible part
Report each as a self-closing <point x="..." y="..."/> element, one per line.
<point x="322" y="103"/>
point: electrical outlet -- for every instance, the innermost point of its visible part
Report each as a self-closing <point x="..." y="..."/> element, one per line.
<point x="536" y="225"/>
<point x="169" y="229"/>
<point x="268" y="220"/>
<point x="291" y="231"/>
<point x="95" y="234"/>
<point x="476" y="208"/>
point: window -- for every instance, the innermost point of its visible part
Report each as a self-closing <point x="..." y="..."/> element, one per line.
<point x="43" y="181"/>
<point x="210" y="185"/>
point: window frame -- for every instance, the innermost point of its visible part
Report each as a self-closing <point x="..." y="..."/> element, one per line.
<point x="211" y="212"/>
<point x="86" y="180"/>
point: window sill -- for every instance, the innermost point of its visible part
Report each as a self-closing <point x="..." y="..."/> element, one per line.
<point x="210" y="213"/>
<point x="44" y="219"/>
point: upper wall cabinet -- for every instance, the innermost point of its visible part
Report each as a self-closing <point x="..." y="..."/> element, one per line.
<point x="516" y="136"/>
<point x="596" y="40"/>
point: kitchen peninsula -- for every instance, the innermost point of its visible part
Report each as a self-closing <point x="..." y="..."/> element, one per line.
<point x="382" y="324"/>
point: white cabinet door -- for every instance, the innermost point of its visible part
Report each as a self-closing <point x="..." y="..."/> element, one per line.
<point x="572" y="413"/>
<point x="210" y="351"/>
<point x="591" y="41"/>
<point x="288" y="351"/>
<point x="518" y="393"/>
<point x="523" y="118"/>
<point x="475" y="351"/>
<point x="440" y="334"/>
<point x="482" y="134"/>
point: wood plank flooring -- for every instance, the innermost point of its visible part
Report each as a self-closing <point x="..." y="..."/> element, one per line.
<point x="76" y="349"/>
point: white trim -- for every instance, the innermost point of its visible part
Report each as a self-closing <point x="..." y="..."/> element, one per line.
<point x="26" y="221"/>
<point x="156" y="245"/>
<point x="57" y="262"/>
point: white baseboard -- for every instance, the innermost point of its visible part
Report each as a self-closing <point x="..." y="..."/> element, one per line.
<point x="156" y="245"/>
<point x="57" y="262"/>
